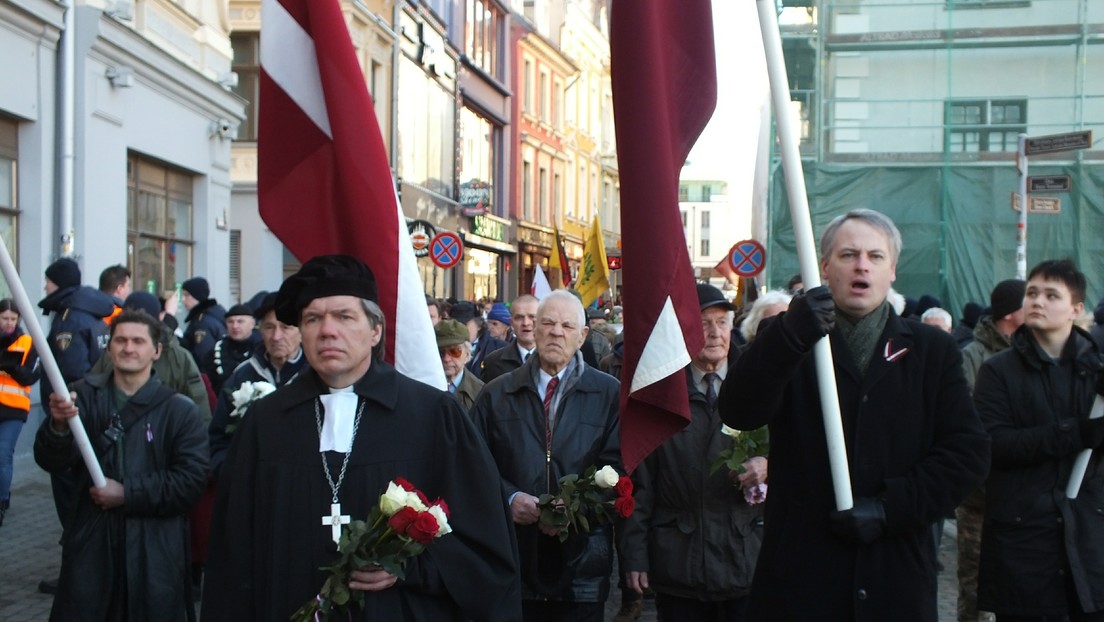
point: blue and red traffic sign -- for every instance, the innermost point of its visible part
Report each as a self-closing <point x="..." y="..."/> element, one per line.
<point x="747" y="258"/>
<point x="446" y="250"/>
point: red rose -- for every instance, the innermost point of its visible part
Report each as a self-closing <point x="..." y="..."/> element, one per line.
<point x="407" y="486"/>
<point x="624" y="487"/>
<point x="424" y="528"/>
<point x="400" y="521"/>
<point x="444" y="507"/>
<point x="624" y="506"/>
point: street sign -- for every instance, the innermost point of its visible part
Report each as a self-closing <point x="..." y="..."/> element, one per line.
<point x="446" y="250"/>
<point x="421" y="232"/>
<point x="1049" y="183"/>
<point x="747" y="258"/>
<point x="1058" y="142"/>
<point x="1038" y="205"/>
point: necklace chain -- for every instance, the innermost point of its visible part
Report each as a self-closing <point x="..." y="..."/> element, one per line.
<point x="345" y="463"/>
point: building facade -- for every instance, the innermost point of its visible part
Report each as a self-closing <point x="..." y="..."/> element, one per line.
<point x="914" y="108"/>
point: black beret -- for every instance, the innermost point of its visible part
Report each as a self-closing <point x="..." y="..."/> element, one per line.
<point x="325" y="275"/>
<point x="239" y="309"/>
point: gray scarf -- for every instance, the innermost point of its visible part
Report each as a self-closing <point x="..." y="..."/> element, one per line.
<point x="861" y="334"/>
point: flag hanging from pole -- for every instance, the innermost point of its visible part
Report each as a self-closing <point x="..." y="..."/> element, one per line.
<point x="558" y="260"/>
<point x="664" y="92"/>
<point x="540" y="287"/>
<point x="324" y="183"/>
<point x="593" y="278"/>
<point x="726" y="270"/>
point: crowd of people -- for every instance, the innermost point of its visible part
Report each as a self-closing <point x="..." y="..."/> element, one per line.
<point x="237" y="503"/>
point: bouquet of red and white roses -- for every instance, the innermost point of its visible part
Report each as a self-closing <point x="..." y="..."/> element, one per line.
<point x="594" y="497"/>
<point x="398" y="528"/>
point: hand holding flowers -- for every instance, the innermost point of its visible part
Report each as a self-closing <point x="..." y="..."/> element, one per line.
<point x="586" y="500"/>
<point x="745" y="446"/>
<point x="398" y="528"/>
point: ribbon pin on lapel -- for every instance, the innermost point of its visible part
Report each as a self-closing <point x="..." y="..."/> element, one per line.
<point x="890" y="355"/>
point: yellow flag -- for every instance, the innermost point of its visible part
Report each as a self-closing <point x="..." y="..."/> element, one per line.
<point x="593" y="278"/>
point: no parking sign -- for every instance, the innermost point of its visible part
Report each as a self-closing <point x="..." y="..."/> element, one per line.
<point x="747" y="258"/>
<point x="446" y="250"/>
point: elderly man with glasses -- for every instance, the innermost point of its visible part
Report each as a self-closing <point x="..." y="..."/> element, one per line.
<point x="456" y="351"/>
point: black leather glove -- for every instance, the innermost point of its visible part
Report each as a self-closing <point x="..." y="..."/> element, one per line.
<point x="863" y="523"/>
<point x="810" y="317"/>
<point x="1092" y="432"/>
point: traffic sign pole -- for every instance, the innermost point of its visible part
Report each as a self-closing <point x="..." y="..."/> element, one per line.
<point x="1021" y="227"/>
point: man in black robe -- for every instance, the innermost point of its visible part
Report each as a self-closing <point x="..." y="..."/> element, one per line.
<point x="268" y="539"/>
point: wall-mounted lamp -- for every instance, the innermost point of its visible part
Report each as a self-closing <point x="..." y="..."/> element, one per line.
<point x="222" y="223"/>
<point x="121" y="77"/>
<point x="224" y="129"/>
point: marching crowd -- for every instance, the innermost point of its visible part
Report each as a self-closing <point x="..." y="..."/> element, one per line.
<point x="236" y="447"/>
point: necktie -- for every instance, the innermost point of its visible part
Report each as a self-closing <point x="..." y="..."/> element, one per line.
<point x="452" y="388"/>
<point x="549" y="393"/>
<point x="526" y="357"/>
<point x="710" y="389"/>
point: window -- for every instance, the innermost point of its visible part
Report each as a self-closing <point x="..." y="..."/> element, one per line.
<point x="542" y="111"/>
<point x="428" y="115"/>
<point x="477" y="160"/>
<point x="684" y="193"/>
<point x="527" y="92"/>
<point x="557" y="195"/>
<point x="481" y="35"/>
<point x="159" y="224"/>
<point x="235" y="265"/>
<point x="985" y="125"/>
<point x="704" y="247"/>
<point x="246" y="64"/>
<point x="542" y="195"/>
<point x="527" y="191"/>
<point x="706" y="193"/>
<point x="557" y="104"/>
<point x="683" y="212"/>
<point x="704" y="218"/>
<point x="9" y="194"/>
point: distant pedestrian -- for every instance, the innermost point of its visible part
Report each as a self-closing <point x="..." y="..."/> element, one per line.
<point x="234" y="347"/>
<point x="523" y="321"/>
<point x="206" y="320"/>
<point x="455" y="350"/>
<point x="19" y="369"/>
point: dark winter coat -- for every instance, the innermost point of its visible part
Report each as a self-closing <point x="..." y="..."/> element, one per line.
<point x="255" y="369"/>
<point x="78" y="334"/>
<point x="23" y="368"/>
<point x="987" y="342"/>
<point x="912" y="438"/>
<point x="510" y="414"/>
<point x="226" y="355"/>
<point x="501" y="362"/>
<point x="481" y="350"/>
<point x="469" y="389"/>
<point x="161" y="461"/>
<point x="692" y="532"/>
<point x="206" y="325"/>
<point x="1033" y="534"/>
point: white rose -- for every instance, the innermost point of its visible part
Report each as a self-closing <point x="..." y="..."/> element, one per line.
<point x="243" y="394"/>
<point x="606" y="477"/>
<point x="442" y="520"/>
<point x="261" y="389"/>
<point x="414" y="501"/>
<point x="393" y="499"/>
<point x="730" y="432"/>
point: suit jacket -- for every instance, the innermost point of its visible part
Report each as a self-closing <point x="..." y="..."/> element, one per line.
<point x="912" y="438"/>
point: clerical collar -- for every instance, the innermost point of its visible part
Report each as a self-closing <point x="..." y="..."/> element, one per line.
<point x="337" y="425"/>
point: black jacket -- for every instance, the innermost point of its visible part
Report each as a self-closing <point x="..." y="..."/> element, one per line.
<point x="482" y="349"/>
<point x="161" y="461"/>
<point x="78" y="334"/>
<point x="1033" y="534"/>
<point x="206" y="325"/>
<point x="500" y="362"/>
<point x="226" y="355"/>
<point x="912" y="438"/>
<point x="510" y="415"/>
<point x="692" y="532"/>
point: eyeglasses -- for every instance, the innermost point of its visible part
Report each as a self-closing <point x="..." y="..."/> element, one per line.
<point x="453" y="351"/>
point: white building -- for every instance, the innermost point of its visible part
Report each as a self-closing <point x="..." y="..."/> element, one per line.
<point x="712" y="223"/>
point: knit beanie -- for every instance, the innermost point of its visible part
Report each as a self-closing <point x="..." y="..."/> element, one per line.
<point x="198" y="288"/>
<point x="1007" y="297"/>
<point x="64" y="273"/>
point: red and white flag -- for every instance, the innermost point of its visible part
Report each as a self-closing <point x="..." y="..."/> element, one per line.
<point x="323" y="181"/>
<point x="540" y="287"/>
<point x="664" y="92"/>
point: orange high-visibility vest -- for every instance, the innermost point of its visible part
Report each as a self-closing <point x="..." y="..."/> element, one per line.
<point x="111" y="318"/>
<point x="12" y="393"/>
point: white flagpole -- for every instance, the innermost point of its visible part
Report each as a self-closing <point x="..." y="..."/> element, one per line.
<point x="53" y="373"/>
<point x="806" y="247"/>
<point x="1081" y="462"/>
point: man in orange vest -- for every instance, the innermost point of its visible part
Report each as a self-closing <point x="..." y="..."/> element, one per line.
<point x="115" y="282"/>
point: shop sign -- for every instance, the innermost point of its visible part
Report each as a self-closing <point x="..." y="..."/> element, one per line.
<point x="475" y="197"/>
<point x="488" y="228"/>
<point x="421" y="232"/>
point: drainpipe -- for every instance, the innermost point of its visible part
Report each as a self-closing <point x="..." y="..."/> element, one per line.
<point x="67" y="94"/>
<point x="396" y="13"/>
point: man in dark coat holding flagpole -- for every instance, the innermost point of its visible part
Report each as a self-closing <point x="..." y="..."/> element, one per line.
<point x="285" y="469"/>
<point x="914" y="443"/>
